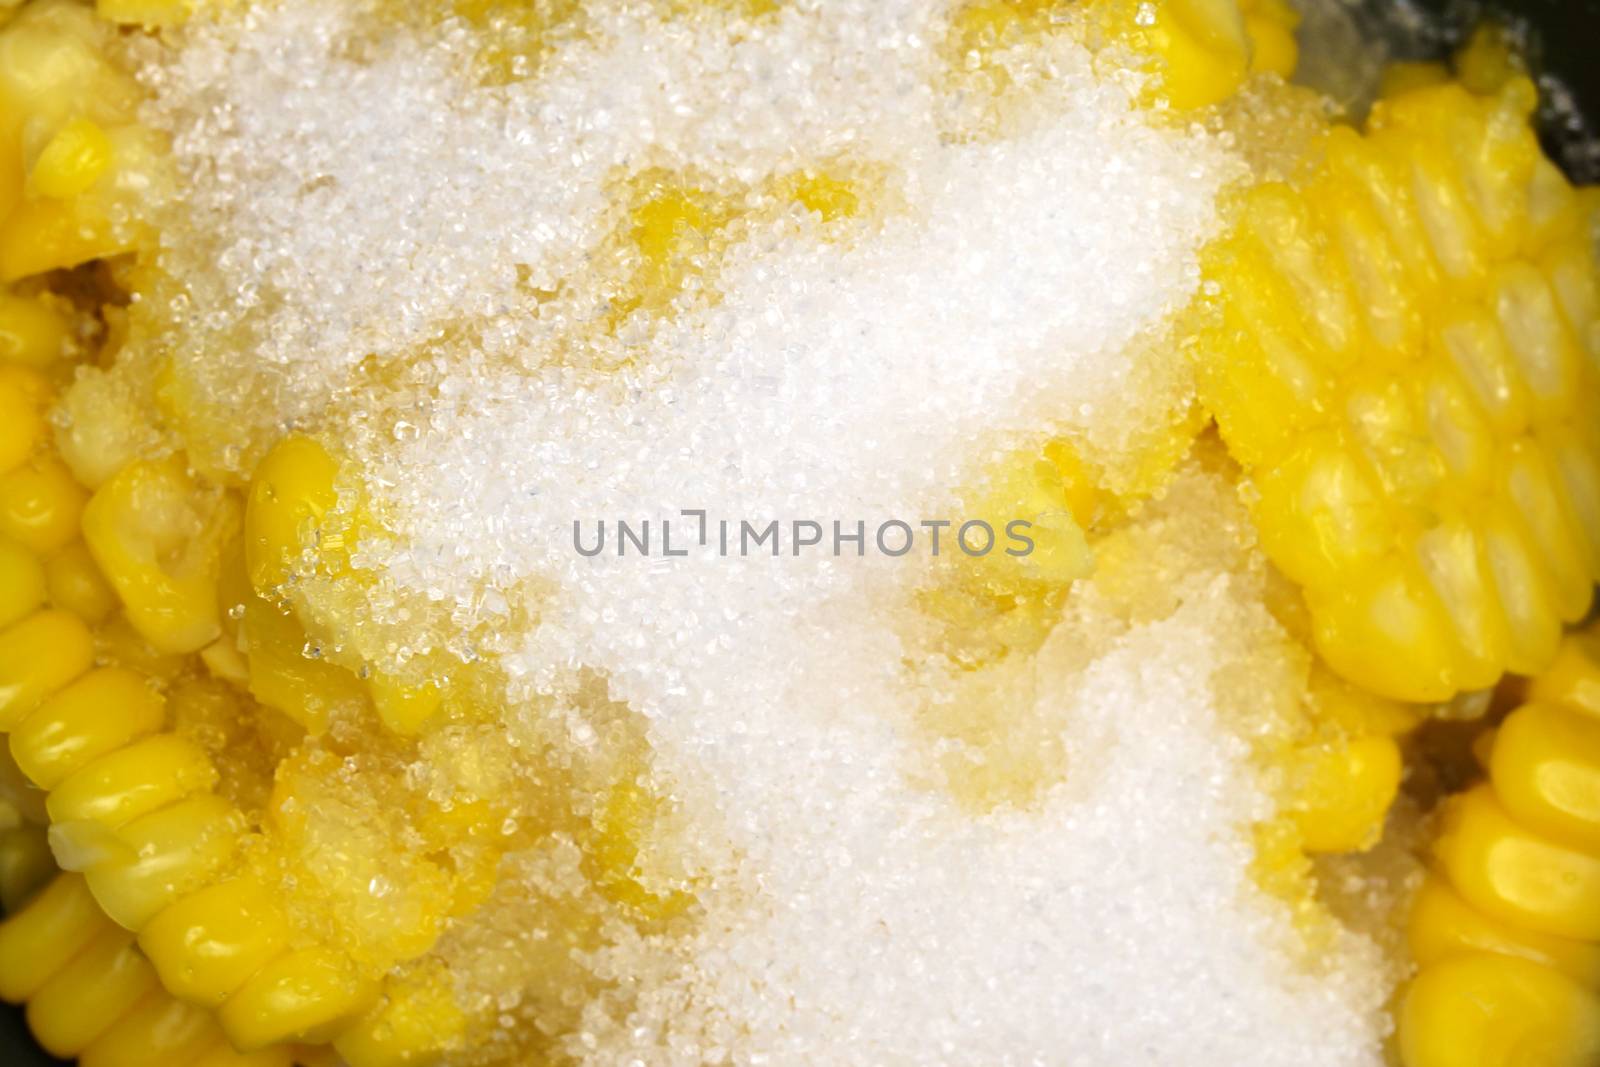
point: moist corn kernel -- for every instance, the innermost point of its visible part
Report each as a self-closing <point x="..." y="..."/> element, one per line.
<point x="308" y="995"/>
<point x="1478" y="1010"/>
<point x="75" y="584"/>
<point x="1515" y="875"/>
<point x="208" y="944"/>
<point x="84" y="998"/>
<point x="38" y="656"/>
<point x="96" y="715"/>
<point x="170" y="853"/>
<point x="44" y="936"/>
<point x="40" y="505"/>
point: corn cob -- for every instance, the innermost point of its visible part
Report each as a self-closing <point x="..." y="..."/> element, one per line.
<point x="1504" y="929"/>
<point x="91" y="995"/>
<point x="1402" y="352"/>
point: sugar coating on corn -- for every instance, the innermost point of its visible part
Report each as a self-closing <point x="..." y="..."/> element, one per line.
<point x="792" y="261"/>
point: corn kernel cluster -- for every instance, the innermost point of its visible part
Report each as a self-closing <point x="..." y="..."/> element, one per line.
<point x="1399" y="348"/>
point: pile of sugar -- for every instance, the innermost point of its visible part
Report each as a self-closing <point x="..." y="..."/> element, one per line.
<point x="355" y="200"/>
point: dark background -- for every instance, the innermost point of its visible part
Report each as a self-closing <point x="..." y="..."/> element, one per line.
<point x="1562" y="39"/>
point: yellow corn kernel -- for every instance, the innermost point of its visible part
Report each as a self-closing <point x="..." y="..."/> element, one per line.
<point x="283" y="676"/>
<point x="208" y="944"/>
<point x="23" y="585"/>
<point x="83" y="999"/>
<point x="94" y="716"/>
<point x="1514" y="875"/>
<point x="38" y="656"/>
<point x="158" y="538"/>
<point x="49" y="931"/>
<point x="44" y="233"/>
<point x="308" y="995"/>
<point x="1546" y="772"/>
<point x="225" y="661"/>
<point x="21" y="425"/>
<point x="1573" y="680"/>
<point x="1479" y="1010"/>
<point x="170" y="853"/>
<point x="414" y="1025"/>
<point x="157" y="1032"/>
<point x="25" y="865"/>
<point x="146" y="13"/>
<point x="1270" y="25"/>
<point x="32" y="332"/>
<point x="71" y="161"/>
<point x="1344" y="793"/>
<point x="1201" y="47"/>
<point x="289" y="513"/>
<point x="123" y="785"/>
<point x="1441" y="924"/>
<point x="404" y="708"/>
<point x="1387" y="630"/>
<point x="40" y="505"/>
<point x="75" y="583"/>
<point x="1488" y="60"/>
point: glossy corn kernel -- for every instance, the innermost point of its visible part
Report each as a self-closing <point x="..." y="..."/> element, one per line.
<point x="405" y="709"/>
<point x="45" y="935"/>
<point x="32" y="332"/>
<point x="71" y="161"/>
<point x="1201" y="48"/>
<point x="1392" y="361"/>
<point x="415" y="1024"/>
<point x="1573" y="680"/>
<point x="157" y="1032"/>
<point x="1441" y="924"/>
<point x="84" y="998"/>
<point x="289" y="514"/>
<point x="1270" y="26"/>
<point x="158" y="539"/>
<point x="25" y="865"/>
<point x="1513" y="874"/>
<point x="40" y="505"/>
<point x="1477" y="1010"/>
<point x="308" y="995"/>
<point x="208" y="944"/>
<point x="38" y="656"/>
<point x="23" y="583"/>
<point x="141" y="778"/>
<point x="96" y="715"/>
<point x="74" y="583"/>
<point x="21" y="423"/>
<point x="1344" y="793"/>
<point x="1546" y="772"/>
<point x="168" y="853"/>
<point x="284" y="675"/>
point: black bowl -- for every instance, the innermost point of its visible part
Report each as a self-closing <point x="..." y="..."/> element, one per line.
<point x="1561" y="37"/>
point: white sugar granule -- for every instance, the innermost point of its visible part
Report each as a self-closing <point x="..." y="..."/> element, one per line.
<point x="365" y="229"/>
